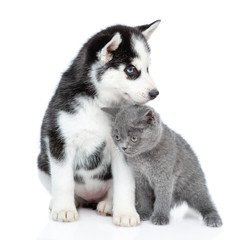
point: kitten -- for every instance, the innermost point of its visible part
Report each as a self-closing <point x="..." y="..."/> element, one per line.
<point x="167" y="171"/>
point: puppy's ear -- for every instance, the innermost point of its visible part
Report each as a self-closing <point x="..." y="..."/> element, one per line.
<point x="105" y="55"/>
<point x="145" y="120"/>
<point x="148" y="29"/>
<point x="111" y="111"/>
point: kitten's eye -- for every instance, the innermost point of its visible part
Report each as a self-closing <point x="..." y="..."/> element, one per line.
<point x="134" y="139"/>
<point x="117" y="137"/>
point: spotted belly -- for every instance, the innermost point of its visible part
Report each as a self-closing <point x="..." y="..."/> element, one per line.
<point x="92" y="174"/>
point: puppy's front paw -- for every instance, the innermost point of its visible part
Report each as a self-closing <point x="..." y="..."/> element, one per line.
<point x="105" y="208"/>
<point x="159" y="220"/>
<point x="65" y="215"/>
<point x="126" y="220"/>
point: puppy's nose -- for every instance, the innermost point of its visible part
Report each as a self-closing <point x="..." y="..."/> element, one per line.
<point x="153" y="94"/>
<point x="124" y="148"/>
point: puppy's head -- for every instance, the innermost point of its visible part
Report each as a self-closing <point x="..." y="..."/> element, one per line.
<point x="120" y="68"/>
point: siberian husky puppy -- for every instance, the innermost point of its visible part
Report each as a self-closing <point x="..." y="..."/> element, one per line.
<point x="78" y="157"/>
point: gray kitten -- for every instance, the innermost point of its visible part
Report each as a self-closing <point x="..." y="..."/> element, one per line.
<point x="167" y="171"/>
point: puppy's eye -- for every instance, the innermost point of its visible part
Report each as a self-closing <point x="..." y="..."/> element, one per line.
<point x="117" y="137"/>
<point x="131" y="71"/>
<point x="134" y="139"/>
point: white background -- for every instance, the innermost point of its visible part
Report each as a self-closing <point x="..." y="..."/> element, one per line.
<point x="199" y="66"/>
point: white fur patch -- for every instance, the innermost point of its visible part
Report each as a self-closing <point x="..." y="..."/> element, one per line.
<point x="124" y="192"/>
<point x="45" y="179"/>
<point x="63" y="206"/>
<point x="83" y="129"/>
<point x="143" y="60"/>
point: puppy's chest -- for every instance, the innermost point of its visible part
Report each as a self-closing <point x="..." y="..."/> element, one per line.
<point x="86" y="129"/>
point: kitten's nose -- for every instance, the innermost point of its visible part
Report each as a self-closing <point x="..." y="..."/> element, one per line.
<point x="123" y="148"/>
<point x="153" y="94"/>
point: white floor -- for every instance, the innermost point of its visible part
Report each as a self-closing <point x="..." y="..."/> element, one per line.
<point x="185" y="224"/>
<point x="26" y="216"/>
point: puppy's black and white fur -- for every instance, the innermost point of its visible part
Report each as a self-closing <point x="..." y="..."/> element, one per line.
<point x="77" y="151"/>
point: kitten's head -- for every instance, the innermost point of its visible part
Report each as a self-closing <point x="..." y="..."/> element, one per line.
<point x="135" y="129"/>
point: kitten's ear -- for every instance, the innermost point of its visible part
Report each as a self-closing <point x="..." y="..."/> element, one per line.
<point x="111" y="111"/>
<point x="148" y="29"/>
<point x="146" y="120"/>
<point x="105" y="55"/>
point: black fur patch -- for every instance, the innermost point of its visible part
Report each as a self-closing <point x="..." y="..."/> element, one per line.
<point x="56" y="144"/>
<point x="92" y="161"/>
<point x="79" y="179"/>
<point x="43" y="163"/>
<point x="104" y="175"/>
<point x="43" y="160"/>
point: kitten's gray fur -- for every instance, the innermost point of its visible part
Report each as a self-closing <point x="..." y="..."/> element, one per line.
<point x="167" y="171"/>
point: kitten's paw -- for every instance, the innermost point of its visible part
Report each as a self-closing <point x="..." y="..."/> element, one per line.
<point x="212" y="220"/>
<point x="126" y="220"/>
<point x="144" y="216"/>
<point x="105" y="208"/>
<point x="159" y="220"/>
<point x="65" y="215"/>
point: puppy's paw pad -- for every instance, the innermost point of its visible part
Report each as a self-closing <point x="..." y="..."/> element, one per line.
<point x="130" y="220"/>
<point x="213" y="220"/>
<point x="65" y="215"/>
<point x="160" y="220"/>
<point x="105" y="208"/>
